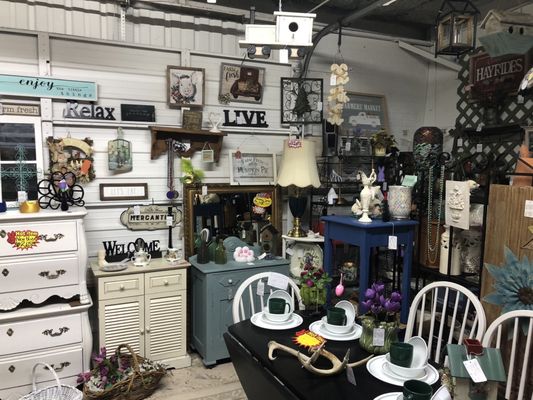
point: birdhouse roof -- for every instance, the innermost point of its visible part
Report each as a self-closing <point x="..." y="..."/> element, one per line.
<point x="507" y="17"/>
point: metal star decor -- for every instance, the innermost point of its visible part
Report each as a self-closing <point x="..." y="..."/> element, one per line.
<point x="22" y="172"/>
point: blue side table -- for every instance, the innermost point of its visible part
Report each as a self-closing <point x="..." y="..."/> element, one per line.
<point x="367" y="235"/>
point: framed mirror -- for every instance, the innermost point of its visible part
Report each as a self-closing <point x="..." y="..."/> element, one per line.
<point x="240" y="211"/>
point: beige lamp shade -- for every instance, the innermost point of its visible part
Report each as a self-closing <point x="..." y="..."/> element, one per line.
<point x="298" y="165"/>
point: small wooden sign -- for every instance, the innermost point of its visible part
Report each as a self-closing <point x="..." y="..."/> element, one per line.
<point x="20" y="109"/>
<point x="137" y="112"/>
<point x="123" y="191"/>
<point x="192" y="120"/>
<point x="252" y="168"/>
<point x="150" y="218"/>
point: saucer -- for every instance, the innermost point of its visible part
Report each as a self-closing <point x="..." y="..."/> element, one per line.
<point x="266" y="320"/>
<point x="375" y="367"/>
<point x="391" y="374"/>
<point x="390" y="396"/>
<point x="318" y="328"/>
<point x="114" y="267"/>
<point x="259" y="320"/>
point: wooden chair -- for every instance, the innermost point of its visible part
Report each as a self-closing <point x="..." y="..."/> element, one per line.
<point x="520" y="354"/>
<point x="455" y="309"/>
<point x="247" y="302"/>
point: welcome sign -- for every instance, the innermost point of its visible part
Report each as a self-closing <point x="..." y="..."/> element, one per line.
<point x="39" y="86"/>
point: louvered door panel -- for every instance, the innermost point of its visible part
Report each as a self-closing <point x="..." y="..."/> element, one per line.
<point x="165" y="325"/>
<point x="122" y="321"/>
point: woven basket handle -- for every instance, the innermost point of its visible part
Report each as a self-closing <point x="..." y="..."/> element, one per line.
<point x="133" y="355"/>
<point x="49" y="368"/>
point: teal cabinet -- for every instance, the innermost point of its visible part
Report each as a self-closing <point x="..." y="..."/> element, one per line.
<point x="213" y="289"/>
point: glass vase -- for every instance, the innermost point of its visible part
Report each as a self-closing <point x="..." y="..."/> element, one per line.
<point x="312" y="297"/>
<point x="367" y="337"/>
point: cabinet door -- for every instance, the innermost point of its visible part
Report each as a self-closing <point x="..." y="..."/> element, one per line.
<point x="122" y="321"/>
<point x="165" y="325"/>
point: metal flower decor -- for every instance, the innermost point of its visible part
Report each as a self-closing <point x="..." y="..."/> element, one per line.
<point x="513" y="284"/>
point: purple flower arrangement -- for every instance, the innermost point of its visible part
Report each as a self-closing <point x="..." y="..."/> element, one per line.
<point x="311" y="275"/>
<point x="383" y="308"/>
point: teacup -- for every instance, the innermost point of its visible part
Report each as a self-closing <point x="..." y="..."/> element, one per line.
<point x="401" y="354"/>
<point x="416" y="390"/>
<point x="277" y="305"/>
<point x="141" y="258"/>
<point x="173" y="255"/>
<point x="336" y="316"/>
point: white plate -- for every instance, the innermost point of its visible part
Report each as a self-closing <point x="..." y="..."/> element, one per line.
<point x="391" y="374"/>
<point x="349" y="308"/>
<point x="318" y="328"/>
<point x="258" y="320"/>
<point x="282" y="294"/>
<point x="375" y="367"/>
<point x="390" y="396"/>
<point x="266" y="320"/>
<point x="114" y="267"/>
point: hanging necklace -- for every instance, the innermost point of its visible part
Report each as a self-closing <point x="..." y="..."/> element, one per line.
<point x="171" y="194"/>
<point x="432" y="252"/>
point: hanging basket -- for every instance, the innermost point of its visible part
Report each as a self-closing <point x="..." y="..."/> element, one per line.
<point x="56" y="392"/>
<point x="139" y="385"/>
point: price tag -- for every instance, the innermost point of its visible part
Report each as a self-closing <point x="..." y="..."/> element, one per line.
<point x="474" y="370"/>
<point x="409" y="180"/>
<point x="378" y="337"/>
<point x="350" y="376"/>
<point x="204" y="190"/>
<point x="170" y="220"/>
<point x="137" y="210"/>
<point x="479" y="148"/>
<point x="393" y="242"/>
<point x="384" y="187"/>
<point x="260" y="288"/>
<point x="333" y="80"/>
<point x="460" y="142"/>
<point x="348" y="145"/>
<point x="319" y="105"/>
<point x="528" y="209"/>
<point x="278" y="281"/>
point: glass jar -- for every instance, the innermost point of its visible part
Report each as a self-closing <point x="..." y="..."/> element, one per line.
<point x="313" y="297"/>
<point x="367" y="337"/>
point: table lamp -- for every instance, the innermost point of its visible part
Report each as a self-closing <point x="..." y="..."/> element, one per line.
<point x="298" y="169"/>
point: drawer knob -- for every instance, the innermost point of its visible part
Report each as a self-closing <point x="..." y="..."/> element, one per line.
<point x="122" y="287"/>
<point x="50" y="332"/>
<point x="11" y="368"/>
<point x="10" y="332"/>
<point x="5" y="272"/>
<point x="230" y="281"/>
<point x="165" y="282"/>
<point x="46" y="274"/>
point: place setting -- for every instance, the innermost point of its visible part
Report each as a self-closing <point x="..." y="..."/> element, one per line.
<point x="279" y="313"/>
<point x="405" y="361"/>
<point x="417" y="390"/>
<point x="339" y="323"/>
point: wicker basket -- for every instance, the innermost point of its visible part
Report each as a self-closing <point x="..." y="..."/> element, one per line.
<point x="57" y="392"/>
<point x="138" y="386"/>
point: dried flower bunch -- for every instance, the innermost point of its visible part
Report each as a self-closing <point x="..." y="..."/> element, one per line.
<point x="337" y="95"/>
<point x="381" y="307"/>
<point x="312" y="275"/>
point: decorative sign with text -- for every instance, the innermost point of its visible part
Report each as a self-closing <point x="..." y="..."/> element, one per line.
<point x="88" y="111"/>
<point x="150" y="217"/>
<point x="245" y="118"/>
<point x="115" y="252"/>
<point x="20" y="109"/>
<point x="38" y="86"/>
<point x="137" y="112"/>
<point x="252" y="168"/>
<point x="123" y="191"/>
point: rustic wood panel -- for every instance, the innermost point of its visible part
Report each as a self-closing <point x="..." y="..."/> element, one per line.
<point x="506" y="226"/>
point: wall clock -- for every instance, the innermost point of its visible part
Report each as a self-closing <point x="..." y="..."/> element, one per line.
<point x="301" y="101"/>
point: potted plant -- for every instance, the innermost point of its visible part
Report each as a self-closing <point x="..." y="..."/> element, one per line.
<point x="380" y="323"/>
<point x="313" y="283"/>
<point x="382" y="143"/>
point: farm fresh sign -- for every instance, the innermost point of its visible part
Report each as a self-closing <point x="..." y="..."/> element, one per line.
<point x="38" y="86"/>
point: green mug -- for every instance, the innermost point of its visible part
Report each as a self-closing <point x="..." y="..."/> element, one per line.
<point x="336" y="316"/>
<point x="416" y="390"/>
<point x="277" y="306"/>
<point x="401" y="354"/>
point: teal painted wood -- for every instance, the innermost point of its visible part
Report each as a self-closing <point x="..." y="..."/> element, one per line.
<point x="213" y="288"/>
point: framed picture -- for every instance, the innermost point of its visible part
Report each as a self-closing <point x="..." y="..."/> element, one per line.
<point x="191" y="120"/>
<point x="243" y="84"/>
<point x="252" y="168"/>
<point x="301" y="101"/>
<point x="364" y="114"/>
<point x="185" y="87"/>
<point x="123" y="191"/>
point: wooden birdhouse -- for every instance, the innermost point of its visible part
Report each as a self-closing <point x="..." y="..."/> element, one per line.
<point x="269" y="239"/>
<point x="504" y="32"/>
<point x="492" y="365"/>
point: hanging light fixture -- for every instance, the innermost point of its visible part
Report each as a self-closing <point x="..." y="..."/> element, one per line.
<point x="456" y="27"/>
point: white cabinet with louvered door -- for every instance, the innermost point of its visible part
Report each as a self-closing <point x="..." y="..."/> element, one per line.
<point x="146" y="309"/>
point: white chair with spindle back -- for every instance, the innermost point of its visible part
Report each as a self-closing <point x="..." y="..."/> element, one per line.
<point x="458" y="309"/>
<point x="489" y="340"/>
<point x="249" y="288"/>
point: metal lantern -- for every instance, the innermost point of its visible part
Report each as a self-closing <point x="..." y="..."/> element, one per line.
<point x="456" y="27"/>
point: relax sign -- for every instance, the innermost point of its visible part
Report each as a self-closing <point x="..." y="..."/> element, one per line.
<point x="38" y="86"/>
<point x="90" y="111"/>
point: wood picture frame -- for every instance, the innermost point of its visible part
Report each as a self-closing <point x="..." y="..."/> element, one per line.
<point x="185" y="87"/>
<point x="241" y="83"/>
<point x="364" y="114"/>
<point x="191" y="120"/>
<point x="252" y="168"/>
<point x="123" y="191"/>
<point x="293" y="107"/>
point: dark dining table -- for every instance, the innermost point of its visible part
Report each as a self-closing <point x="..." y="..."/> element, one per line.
<point x="285" y="378"/>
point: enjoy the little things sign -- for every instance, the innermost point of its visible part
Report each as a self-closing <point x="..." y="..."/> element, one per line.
<point x="38" y="86"/>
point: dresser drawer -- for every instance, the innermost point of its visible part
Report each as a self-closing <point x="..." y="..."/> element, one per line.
<point x="37" y="237"/>
<point x="17" y="337"/>
<point x="27" y="273"/>
<point x="15" y="393"/>
<point x="121" y="286"/>
<point x="17" y="370"/>
<point x="157" y="282"/>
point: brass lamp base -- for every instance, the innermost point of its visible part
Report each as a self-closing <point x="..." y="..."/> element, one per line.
<point x="297" y="230"/>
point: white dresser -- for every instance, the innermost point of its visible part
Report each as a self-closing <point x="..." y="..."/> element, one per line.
<point x="43" y="298"/>
<point x="145" y="307"/>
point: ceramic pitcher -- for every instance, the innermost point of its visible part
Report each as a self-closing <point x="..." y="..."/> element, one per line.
<point x="399" y="202"/>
